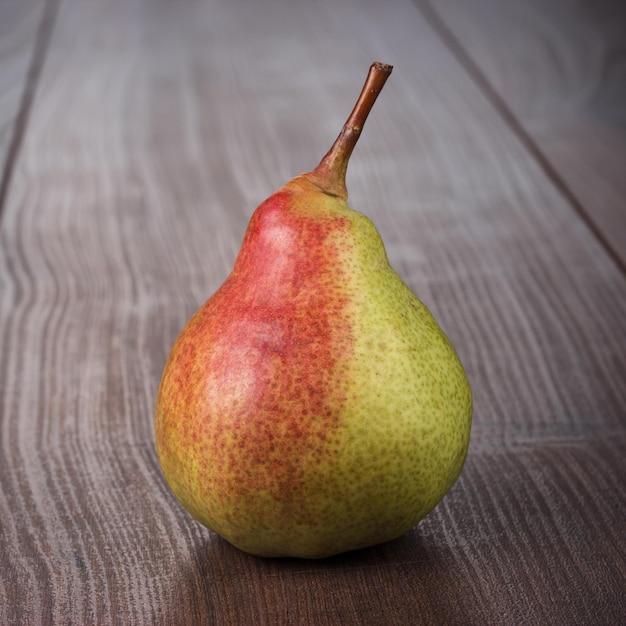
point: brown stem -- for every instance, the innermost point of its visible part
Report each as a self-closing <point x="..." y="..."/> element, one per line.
<point x="330" y="174"/>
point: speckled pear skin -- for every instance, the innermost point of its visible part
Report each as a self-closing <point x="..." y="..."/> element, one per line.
<point x="312" y="405"/>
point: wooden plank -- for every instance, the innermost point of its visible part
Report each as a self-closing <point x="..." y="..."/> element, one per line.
<point x="157" y="129"/>
<point x="557" y="67"/>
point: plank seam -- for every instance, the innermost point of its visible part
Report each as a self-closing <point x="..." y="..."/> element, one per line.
<point x="465" y="60"/>
<point x="42" y="39"/>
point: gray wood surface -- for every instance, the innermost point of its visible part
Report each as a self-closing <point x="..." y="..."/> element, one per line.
<point x="154" y="130"/>
<point x="21" y="28"/>
<point x="559" y="68"/>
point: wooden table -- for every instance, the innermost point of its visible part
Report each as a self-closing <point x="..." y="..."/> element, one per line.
<point x="136" y="138"/>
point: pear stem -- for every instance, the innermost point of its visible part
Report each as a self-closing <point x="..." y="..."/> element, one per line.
<point x="330" y="174"/>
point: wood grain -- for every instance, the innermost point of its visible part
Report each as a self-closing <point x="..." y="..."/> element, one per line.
<point x="155" y="131"/>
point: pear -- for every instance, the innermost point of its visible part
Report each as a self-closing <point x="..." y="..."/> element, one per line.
<point x="313" y="405"/>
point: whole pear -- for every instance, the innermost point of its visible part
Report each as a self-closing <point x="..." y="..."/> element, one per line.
<point x="313" y="405"/>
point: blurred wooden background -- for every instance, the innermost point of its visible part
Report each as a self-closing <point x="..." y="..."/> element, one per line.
<point x="137" y="137"/>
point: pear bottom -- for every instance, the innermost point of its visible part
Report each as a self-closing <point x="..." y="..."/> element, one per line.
<point x="329" y="472"/>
